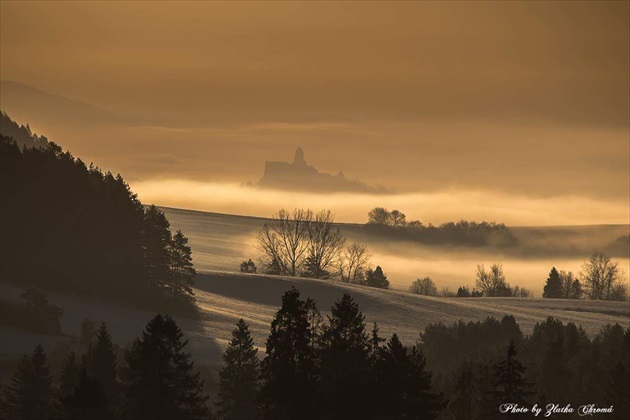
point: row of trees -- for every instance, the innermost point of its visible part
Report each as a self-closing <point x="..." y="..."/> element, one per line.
<point x="334" y="368"/>
<point x="63" y="222"/>
<point x="157" y="381"/>
<point x="308" y="244"/>
<point x="601" y="279"/>
<point x="394" y="223"/>
<point x="316" y="370"/>
<point x="556" y="364"/>
<point x="491" y="283"/>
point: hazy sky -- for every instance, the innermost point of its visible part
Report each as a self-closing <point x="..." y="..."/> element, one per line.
<point x="527" y="100"/>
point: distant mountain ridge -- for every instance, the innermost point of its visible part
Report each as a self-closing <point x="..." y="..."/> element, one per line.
<point x="23" y="101"/>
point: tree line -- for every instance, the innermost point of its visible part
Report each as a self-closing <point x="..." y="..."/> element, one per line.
<point x="316" y="368"/>
<point x="600" y="279"/>
<point x="69" y="226"/>
<point x="307" y="244"/>
<point x="394" y="224"/>
<point x="556" y="364"/>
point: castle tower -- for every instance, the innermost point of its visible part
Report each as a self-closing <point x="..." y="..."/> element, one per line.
<point x="299" y="157"/>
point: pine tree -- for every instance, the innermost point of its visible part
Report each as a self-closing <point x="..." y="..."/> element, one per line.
<point x="345" y="361"/>
<point x="288" y="369"/>
<point x="553" y="288"/>
<point x="421" y="402"/>
<point x="100" y="362"/>
<point x="159" y="379"/>
<point x="510" y="384"/>
<point x="377" y="278"/>
<point x="238" y="380"/>
<point x="29" y="395"/>
<point x="182" y="270"/>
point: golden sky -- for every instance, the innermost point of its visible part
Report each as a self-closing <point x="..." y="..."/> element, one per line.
<point x="530" y="99"/>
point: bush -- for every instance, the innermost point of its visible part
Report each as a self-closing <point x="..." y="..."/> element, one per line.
<point x="248" y="267"/>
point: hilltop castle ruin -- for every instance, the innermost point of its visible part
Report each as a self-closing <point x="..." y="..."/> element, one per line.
<point x="298" y="175"/>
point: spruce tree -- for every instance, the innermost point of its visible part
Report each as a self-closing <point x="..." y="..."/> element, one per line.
<point x="238" y="380"/>
<point x="553" y="288"/>
<point x="100" y="362"/>
<point x="421" y="402"/>
<point x="159" y="378"/>
<point x="404" y="384"/>
<point x="288" y="370"/>
<point x="345" y="362"/>
<point x="510" y="383"/>
<point x="29" y="395"/>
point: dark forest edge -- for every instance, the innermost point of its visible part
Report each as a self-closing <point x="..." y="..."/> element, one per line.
<point x="316" y="368"/>
<point x="72" y="227"/>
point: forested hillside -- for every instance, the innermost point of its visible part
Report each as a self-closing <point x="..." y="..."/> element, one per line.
<point x="70" y="226"/>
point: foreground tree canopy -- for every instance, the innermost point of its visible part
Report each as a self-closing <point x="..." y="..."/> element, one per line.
<point x="332" y="369"/>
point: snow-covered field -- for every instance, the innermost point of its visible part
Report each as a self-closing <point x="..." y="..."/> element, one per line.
<point x="225" y="297"/>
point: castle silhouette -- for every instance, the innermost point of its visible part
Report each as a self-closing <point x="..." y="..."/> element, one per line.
<point x="299" y="176"/>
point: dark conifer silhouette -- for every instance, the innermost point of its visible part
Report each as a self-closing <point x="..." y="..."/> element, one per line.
<point x="463" y="404"/>
<point x="239" y="378"/>
<point x="345" y="362"/>
<point x="29" y="395"/>
<point x="159" y="379"/>
<point x="553" y="287"/>
<point x="68" y="379"/>
<point x="183" y="272"/>
<point x="157" y="240"/>
<point x="376" y="278"/>
<point x="509" y="374"/>
<point x="404" y="384"/>
<point x="288" y="369"/>
<point x="87" y="400"/>
<point x="101" y="364"/>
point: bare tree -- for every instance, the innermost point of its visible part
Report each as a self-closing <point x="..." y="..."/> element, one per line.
<point x="492" y="283"/>
<point x="424" y="286"/>
<point x="285" y="240"/>
<point x="353" y="263"/>
<point x="600" y="276"/>
<point x="325" y="242"/>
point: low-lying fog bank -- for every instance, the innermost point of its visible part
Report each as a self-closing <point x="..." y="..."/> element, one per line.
<point x="222" y="242"/>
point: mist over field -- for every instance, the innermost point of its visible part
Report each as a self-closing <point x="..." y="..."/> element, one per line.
<point x="435" y="207"/>
<point x="223" y="241"/>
